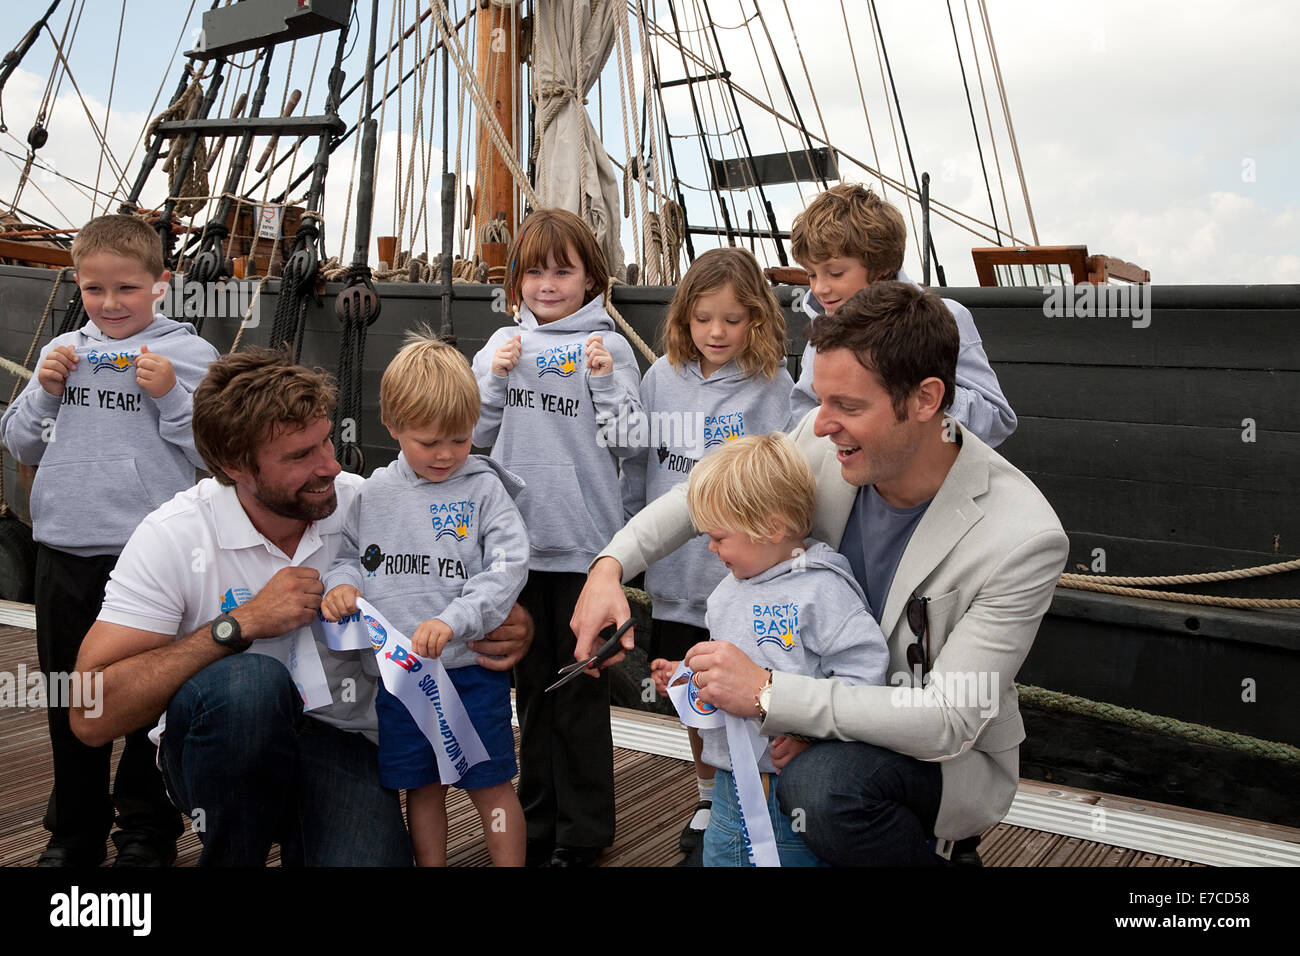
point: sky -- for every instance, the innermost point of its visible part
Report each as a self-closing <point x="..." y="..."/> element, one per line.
<point x="1161" y="133"/>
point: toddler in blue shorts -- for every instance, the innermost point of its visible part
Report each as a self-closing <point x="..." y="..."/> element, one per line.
<point x="441" y="550"/>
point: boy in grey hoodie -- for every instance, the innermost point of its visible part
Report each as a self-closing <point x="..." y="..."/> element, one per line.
<point x="790" y="603"/>
<point x="438" y="545"/>
<point x="848" y="238"/>
<point x="107" y="419"/>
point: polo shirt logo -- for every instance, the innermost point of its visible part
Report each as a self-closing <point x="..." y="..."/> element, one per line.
<point x="233" y="598"/>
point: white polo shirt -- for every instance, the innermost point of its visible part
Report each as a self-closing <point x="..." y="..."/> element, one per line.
<point x="199" y="555"/>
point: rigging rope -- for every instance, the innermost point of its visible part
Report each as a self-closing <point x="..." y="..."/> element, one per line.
<point x="1139" y="586"/>
<point x="1006" y="111"/>
<point x="988" y="119"/>
<point x="884" y="192"/>
<point x="974" y="126"/>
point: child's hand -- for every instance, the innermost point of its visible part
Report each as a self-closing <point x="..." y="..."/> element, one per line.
<point x="598" y="358"/>
<point x="154" y="373"/>
<point x="507" y="357"/>
<point x="54" y="371"/>
<point x="661" y="671"/>
<point x="784" y="749"/>
<point x="430" y="638"/>
<point x="339" y="603"/>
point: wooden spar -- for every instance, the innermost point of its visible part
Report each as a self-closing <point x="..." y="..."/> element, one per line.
<point x="497" y="71"/>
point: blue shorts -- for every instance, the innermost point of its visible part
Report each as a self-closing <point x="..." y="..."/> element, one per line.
<point x="406" y="758"/>
<point x="724" y="840"/>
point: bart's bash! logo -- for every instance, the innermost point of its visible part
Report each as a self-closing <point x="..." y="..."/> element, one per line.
<point x="563" y="360"/>
<point x="114" y="361"/>
<point x="777" y="624"/>
<point x="453" y="519"/>
<point x="378" y="636"/>
<point x="722" y="428"/>
<point x="233" y="598"/>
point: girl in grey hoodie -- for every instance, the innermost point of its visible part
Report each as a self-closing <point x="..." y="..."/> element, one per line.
<point x="722" y="376"/>
<point x="553" y="391"/>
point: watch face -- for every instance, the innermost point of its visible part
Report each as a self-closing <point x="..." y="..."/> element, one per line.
<point x="224" y="630"/>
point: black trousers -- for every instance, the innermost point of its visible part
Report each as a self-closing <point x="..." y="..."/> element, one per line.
<point x="69" y="592"/>
<point x="566" y="753"/>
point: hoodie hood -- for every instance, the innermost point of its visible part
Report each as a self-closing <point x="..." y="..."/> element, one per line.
<point x="814" y="309"/>
<point x="160" y="328"/>
<point x="729" y="373"/>
<point x="817" y="554"/>
<point x="474" y="465"/>
<point x="592" y="317"/>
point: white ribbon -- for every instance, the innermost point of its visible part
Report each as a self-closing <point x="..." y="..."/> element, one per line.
<point x="743" y="747"/>
<point x="420" y="683"/>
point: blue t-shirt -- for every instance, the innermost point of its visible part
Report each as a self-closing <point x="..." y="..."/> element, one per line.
<point x="874" y="542"/>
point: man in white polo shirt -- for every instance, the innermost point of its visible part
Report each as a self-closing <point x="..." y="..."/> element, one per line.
<point x="266" y="734"/>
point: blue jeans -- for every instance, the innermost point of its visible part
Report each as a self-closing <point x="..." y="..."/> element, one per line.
<point x="864" y="805"/>
<point x="724" y="840"/>
<point x="249" y="769"/>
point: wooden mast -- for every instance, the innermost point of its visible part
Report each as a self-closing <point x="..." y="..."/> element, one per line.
<point x="497" y="72"/>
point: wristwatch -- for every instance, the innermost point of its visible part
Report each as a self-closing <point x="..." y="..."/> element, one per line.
<point x="225" y="631"/>
<point x="764" y="696"/>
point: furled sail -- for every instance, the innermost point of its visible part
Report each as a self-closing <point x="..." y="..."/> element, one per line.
<point x="572" y="39"/>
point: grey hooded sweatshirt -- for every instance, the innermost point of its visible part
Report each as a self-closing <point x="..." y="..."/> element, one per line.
<point x="455" y="550"/>
<point x="108" y="452"/>
<point x="978" y="403"/>
<point x="686" y="416"/>
<point x="804" y="616"/>
<point x="557" y="426"/>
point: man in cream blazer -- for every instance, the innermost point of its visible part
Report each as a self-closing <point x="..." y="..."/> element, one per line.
<point x="980" y="567"/>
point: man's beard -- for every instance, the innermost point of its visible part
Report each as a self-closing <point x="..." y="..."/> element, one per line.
<point x="297" y="507"/>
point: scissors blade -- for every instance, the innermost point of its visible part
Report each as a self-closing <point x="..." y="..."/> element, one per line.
<point x="607" y="650"/>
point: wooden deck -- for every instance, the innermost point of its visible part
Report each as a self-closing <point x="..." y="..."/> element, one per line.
<point x="653" y="795"/>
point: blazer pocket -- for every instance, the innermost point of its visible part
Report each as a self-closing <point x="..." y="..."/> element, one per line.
<point x="942" y="612"/>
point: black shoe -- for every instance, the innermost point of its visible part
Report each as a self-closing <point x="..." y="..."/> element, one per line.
<point x="538" y="853"/>
<point x="691" y="838"/>
<point x="575" y="856"/>
<point x="141" y="854"/>
<point x="64" y="856"/>
<point x="966" y="853"/>
<point x="694" y="858"/>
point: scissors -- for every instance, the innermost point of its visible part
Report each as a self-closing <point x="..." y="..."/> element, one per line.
<point x="607" y="650"/>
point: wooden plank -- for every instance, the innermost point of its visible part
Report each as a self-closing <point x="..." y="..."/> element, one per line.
<point x="1154" y="511"/>
<point x="988" y="258"/>
<point x="1210" y="397"/>
<point x="32" y="252"/>
<point x="1177" y="338"/>
<point x="1210" y="462"/>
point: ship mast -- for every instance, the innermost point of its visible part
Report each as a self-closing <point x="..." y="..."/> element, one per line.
<point x="497" y="72"/>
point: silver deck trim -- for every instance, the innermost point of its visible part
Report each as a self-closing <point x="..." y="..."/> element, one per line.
<point x="1183" y="840"/>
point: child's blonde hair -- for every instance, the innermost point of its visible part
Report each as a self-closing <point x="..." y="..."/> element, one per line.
<point x="759" y="485"/>
<point x="551" y="232"/>
<point x="428" y="382"/>
<point x="851" y="220"/>
<point x="125" y="236"/>
<point x="737" y="269"/>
